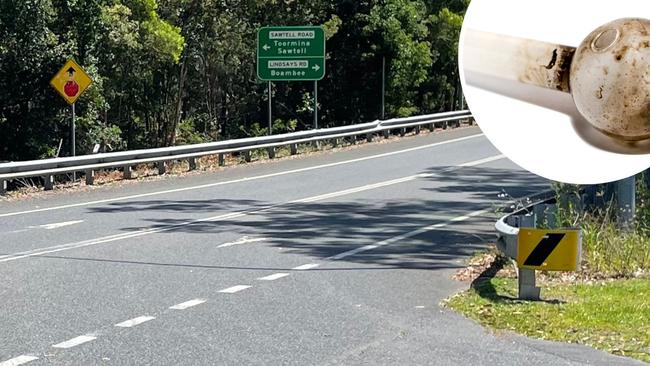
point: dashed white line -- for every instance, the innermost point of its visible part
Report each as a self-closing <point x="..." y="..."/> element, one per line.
<point x="135" y="321"/>
<point x="57" y="225"/>
<point x="306" y="267"/>
<point x="187" y="304"/>
<point x="406" y="235"/>
<point x="232" y="290"/>
<point x="75" y="341"/>
<point x="273" y="277"/>
<point x="244" y="240"/>
<point x="223" y="217"/>
<point x="20" y="360"/>
<point x="294" y="171"/>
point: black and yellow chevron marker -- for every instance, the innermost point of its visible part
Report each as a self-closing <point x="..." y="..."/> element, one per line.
<point x="549" y="250"/>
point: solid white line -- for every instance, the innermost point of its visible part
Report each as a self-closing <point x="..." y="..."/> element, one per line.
<point x="75" y="341"/>
<point x="306" y="267"/>
<point x="244" y="240"/>
<point x="273" y="277"/>
<point x="406" y="235"/>
<point x="232" y="290"/>
<point x="223" y="217"/>
<point x="287" y="172"/>
<point x="187" y="304"/>
<point x="58" y="225"/>
<point x="135" y="321"/>
<point x="20" y="360"/>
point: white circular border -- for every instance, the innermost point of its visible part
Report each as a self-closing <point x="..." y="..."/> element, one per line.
<point x="547" y="142"/>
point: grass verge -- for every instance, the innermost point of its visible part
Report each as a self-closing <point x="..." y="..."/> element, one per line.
<point x="613" y="316"/>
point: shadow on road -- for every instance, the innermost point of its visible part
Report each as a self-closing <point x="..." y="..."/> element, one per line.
<point x="326" y="228"/>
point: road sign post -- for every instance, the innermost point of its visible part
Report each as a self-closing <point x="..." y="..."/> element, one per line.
<point x="291" y="54"/>
<point x="71" y="82"/>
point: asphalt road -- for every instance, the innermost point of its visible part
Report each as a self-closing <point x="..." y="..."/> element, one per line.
<point x="339" y="258"/>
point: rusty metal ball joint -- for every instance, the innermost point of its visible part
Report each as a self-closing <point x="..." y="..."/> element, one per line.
<point x="610" y="79"/>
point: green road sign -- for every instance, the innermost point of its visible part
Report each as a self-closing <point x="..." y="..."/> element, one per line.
<point x="290" y="53"/>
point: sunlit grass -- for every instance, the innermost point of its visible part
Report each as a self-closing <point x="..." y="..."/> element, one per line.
<point x="611" y="316"/>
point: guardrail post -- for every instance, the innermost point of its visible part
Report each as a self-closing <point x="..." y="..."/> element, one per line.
<point x="445" y="125"/>
<point x="369" y="137"/>
<point x="192" y="163"/>
<point x="90" y="177"/>
<point x="528" y="289"/>
<point x="222" y="159"/>
<point x="162" y="167"/>
<point x="247" y="156"/>
<point x="48" y="182"/>
<point x="271" y="151"/>
<point x="294" y="149"/>
<point x="418" y="129"/>
<point x="402" y="132"/>
<point x="3" y="187"/>
<point x="386" y="134"/>
<point x="432" y="127"/>
<point x="128" y="172"/>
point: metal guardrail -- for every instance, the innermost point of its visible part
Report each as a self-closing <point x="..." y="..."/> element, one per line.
<point x="48" y="168"/>
<point x="537" y="211"/>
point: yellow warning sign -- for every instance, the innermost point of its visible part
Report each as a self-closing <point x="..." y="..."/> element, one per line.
<point x="71" y="81"/>
<point x="549" y="250"/>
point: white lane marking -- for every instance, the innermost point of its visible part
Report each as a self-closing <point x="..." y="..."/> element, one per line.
<point x="187" y="304"/>
<point x="20" y="360"/>
<point x="419" y="307"/>
<point x="306" y="267"/>
<point x="75" y="341"/>
<point x="57" y="225"/>
<point x="273" y="277"/>
<point x="482" y="161"/>
<point x="232" y="290"/>
<point x="244" y="240"/>
<point x="406" y="235"/>
<point x="135" y="321"/>
<point x="287" y="172"/>
<point x="228" y="216"/>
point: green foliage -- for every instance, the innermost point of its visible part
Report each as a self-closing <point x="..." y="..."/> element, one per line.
<point x="609" y="316"/>
<point x="181" y="71"/>
<point x="607" y="250"/>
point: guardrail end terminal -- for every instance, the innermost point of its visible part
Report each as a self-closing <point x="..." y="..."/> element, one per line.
<point x="90" y="177"/>
<point x="48" y="182"/>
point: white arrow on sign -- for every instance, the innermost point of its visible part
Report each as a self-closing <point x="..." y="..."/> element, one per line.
<point x="316" y="68"/>
<point x="266" y="47"/>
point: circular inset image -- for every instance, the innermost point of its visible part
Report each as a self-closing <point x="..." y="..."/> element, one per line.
<point x="561" y="87"/>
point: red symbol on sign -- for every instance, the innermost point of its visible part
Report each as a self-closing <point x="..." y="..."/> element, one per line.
<point x="71" y="87"/>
